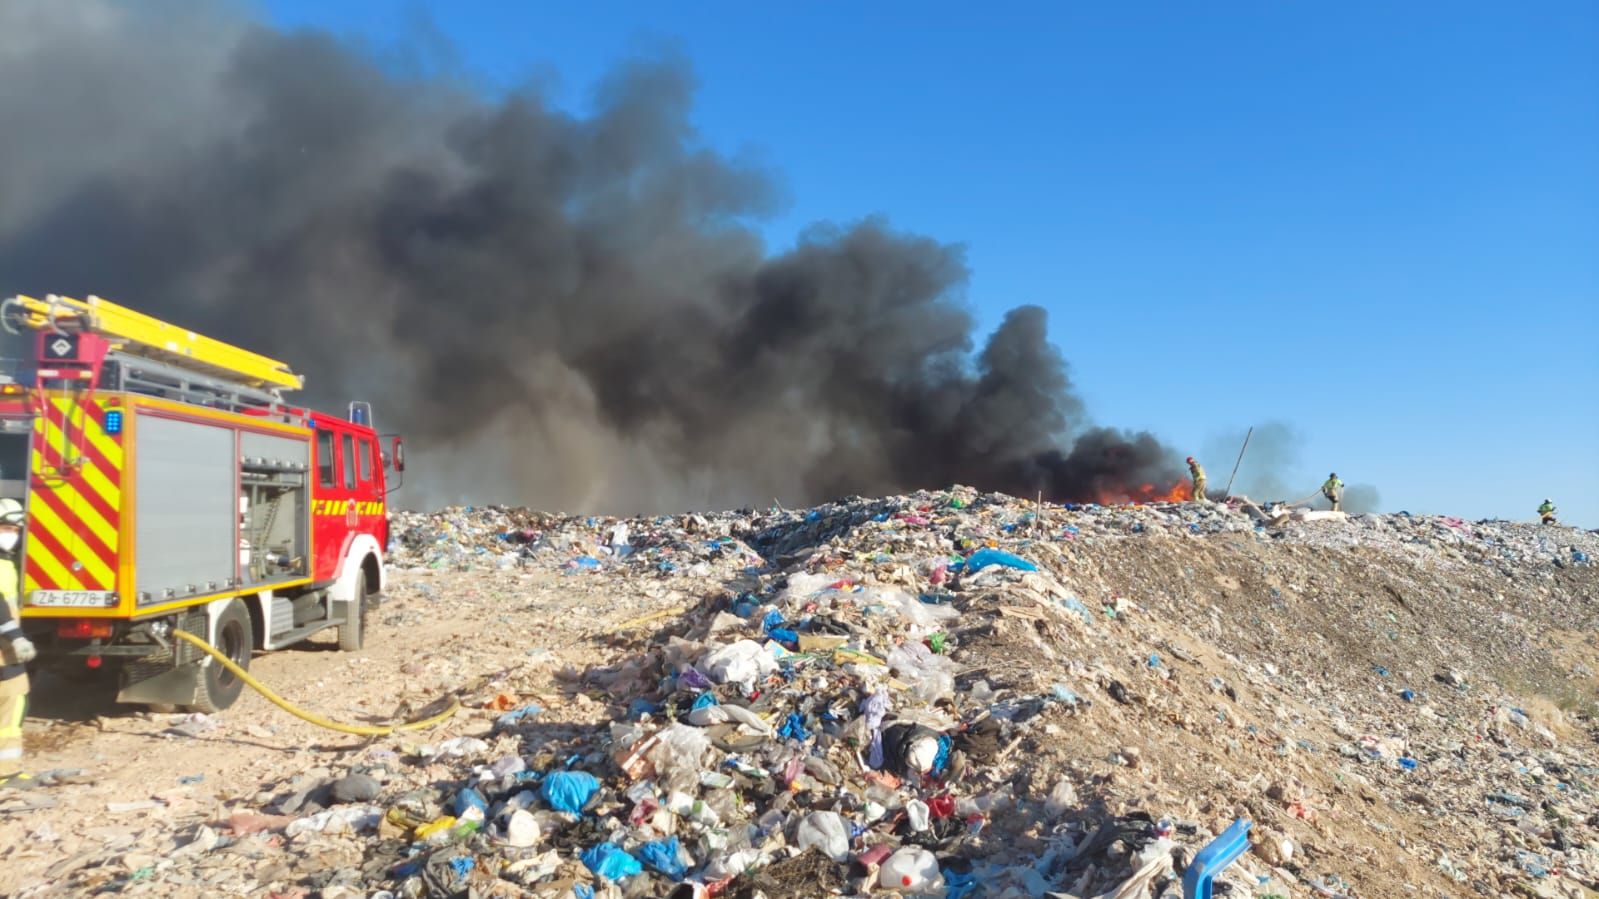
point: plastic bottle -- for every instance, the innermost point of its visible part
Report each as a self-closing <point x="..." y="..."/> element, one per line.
<point x="910" y="869"/>
<point x="917" y="814"/>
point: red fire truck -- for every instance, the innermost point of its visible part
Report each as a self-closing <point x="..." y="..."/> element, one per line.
<point x="167" y="485"/>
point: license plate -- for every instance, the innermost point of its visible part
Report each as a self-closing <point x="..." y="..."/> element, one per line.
<point x="77" y="599"/>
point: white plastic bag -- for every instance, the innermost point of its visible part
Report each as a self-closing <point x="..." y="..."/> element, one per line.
<point x="931" y="676"/>
<point x="741" y="663"/>
<point x="826" y="832"/>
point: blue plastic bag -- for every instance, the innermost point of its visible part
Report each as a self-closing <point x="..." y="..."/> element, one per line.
<point x="794" y="728"/>
<point x="569" y="791"/>
<point x="662" y="855"/>
<point x="958" y="884"/>
<point x="610" y="861"/>
<point x="941" y="761"/>
<point x="470" y="799"/>
<point x="773" y="625"/>
<point x="704" y="700"/>
<point x="983" y="558"/>
<point x="582" y="891"/>
<point x="515" y="716"/>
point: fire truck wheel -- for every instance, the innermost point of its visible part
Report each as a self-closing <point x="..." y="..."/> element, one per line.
<point x="219" y="687"/>
<point x="352" y="636"/>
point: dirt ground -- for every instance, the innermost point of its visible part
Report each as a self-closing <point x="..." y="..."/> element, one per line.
<point x="147" y="775"/>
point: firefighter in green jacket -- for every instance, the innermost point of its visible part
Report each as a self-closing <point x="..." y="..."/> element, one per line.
<point x="16" y="651"/>
<point x="1333" y="489"/>
<point x="1198" y="472"/>
<point x="1546" y="512"/>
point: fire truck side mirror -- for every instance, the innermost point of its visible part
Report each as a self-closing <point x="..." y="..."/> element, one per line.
<point x="398" y="454"/>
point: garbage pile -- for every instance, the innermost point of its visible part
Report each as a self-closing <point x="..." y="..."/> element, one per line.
<point x="825" y="732"/>
<point x="962" y="695"/>
<point x="466" y="537"/>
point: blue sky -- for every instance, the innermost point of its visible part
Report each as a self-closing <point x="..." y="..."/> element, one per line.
<point x="1378" y="223"/>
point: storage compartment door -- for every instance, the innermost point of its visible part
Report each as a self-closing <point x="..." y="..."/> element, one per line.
<point x="186" y="505"/>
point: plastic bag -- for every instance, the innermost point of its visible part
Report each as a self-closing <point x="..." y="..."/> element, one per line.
<point x="741" y="663"/>
<point x="922" y="616"/>
<point x="748" y="719"/>
<point x="732" y="864"/>
<point x="569" y="791"/>
<point x="794" y="728"/>
<point x="931" y="676"/>
<point x="983" y="558"/>
<point x="610" y="861"/>
<point x="825" y="832"/>
<point x="1062" y="799"/>
<point x="457" y="747"/>
<point x="522" y="829"/>
<point x="665" y="857"/>
<point x="803" y="586"/>
<point x="342" y="819"/>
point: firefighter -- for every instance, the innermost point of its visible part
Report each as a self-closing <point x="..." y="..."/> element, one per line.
<point x="16" y="651"/>
<point x="1197" y="471"/>
<point x="1333" y="489"/>
<point x="1546" y="512"/>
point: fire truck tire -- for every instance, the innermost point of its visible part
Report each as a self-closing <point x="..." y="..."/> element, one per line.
<point x="219" y="687"/>
<point x="352" y="635"/>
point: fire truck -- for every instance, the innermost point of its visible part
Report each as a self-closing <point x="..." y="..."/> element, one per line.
<point x="167" y="485"/>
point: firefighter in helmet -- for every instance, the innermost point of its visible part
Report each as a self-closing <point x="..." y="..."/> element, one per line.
<point x="16" y="651"/>
<point x="1198" y="473"/>
<point x="1333" y="489"/>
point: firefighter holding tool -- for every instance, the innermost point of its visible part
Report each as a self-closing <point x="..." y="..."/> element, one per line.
<point x="16" y="651"/>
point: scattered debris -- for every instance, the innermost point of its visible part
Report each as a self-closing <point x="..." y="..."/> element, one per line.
<point x="964" y="695"/>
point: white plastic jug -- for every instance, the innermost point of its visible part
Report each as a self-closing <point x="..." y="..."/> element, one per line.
<point x="911" y="869"/>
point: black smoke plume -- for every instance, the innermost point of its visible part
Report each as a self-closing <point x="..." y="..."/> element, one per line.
<point x="569" y="310"/>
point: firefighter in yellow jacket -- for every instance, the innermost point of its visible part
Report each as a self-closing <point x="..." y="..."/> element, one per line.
<point x="1198" y="473"/>
<point x="16" y="651"/>
<point x="1333" y="489"/>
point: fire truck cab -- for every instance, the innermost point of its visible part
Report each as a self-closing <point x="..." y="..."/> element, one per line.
<point x="166" y="485"/>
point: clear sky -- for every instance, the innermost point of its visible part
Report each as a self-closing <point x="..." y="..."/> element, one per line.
<point x="1378" y="223"/>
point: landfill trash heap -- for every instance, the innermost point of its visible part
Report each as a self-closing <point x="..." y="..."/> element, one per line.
<point x="966" y="695"/>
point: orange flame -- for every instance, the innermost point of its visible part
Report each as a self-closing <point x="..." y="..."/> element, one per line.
<point x="1178" y="492"/>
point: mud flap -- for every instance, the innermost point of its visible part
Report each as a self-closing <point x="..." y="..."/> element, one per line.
<point x="156" y="679"/>
<point x="173" y="686"/>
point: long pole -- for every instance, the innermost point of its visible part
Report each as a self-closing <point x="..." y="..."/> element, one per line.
<point x="1229" y="490"/>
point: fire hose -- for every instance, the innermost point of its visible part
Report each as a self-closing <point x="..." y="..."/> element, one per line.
<point x="364" y="730"/>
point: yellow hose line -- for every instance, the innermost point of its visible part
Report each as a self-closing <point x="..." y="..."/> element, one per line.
<point x="365" y="730"/>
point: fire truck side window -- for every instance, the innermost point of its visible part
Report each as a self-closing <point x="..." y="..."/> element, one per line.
<point x="365" y="457"/>
<point x="324" y="458"/>
<point x="349" y="461"/>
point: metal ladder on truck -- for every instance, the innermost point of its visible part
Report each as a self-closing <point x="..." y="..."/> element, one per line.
<point x="91" y="345"/>
<point x="149" y="339"/>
